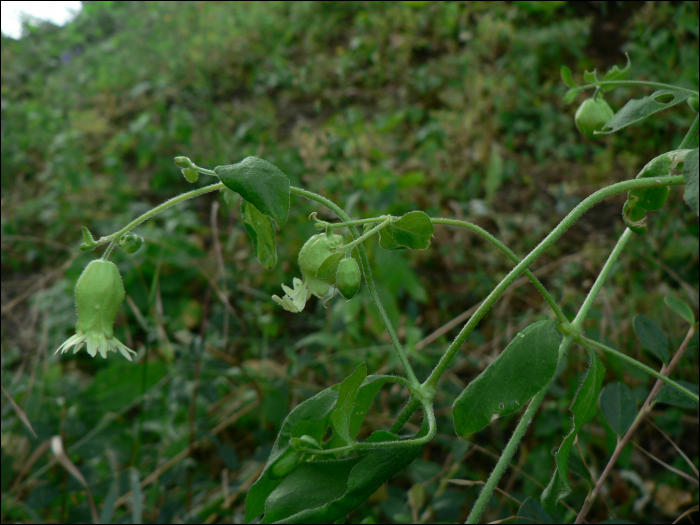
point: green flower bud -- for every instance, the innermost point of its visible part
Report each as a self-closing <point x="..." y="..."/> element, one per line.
<point x="130" y="242"/>
<point x="190" y="174"/>
<point x="693" y="103"/>
<point x="183" y="162"/>
<point x="592" y="115"/>
<point x="348" y="277"/>
<point x="311" y="256"/>
<point x="98" y="295"/>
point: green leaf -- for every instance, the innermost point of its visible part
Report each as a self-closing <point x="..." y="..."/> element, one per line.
<point x="342" y="414"/>
<point x="584" y="408"/>
<point x="619" y="407"/>
<point x="325" y="491"/>
<point x="87" y="236"/>
<point x="414" y="230"/>
<point x="365" y="395"/>
<point x="387" y="241"/>
<point x="670" y="396"/>
<point x="571" y="95"/>
<point x="690" y="176"/>
<point x="525" y="367"/>
<point x="638" y="109"/>
<point x="261" y="184"/>
<point x="590" y="77"/>
<point x="368" y="391"/>
<point x="531" y="512"/>
<point x="566" y="77"/>
<point x="615" y="73"/>
<point x="680" y="307"/>
<point x="653" y="338"/>
<point x="308" y="418"/>
<point x="262" y="233"/>
<point x="329" y="266"/>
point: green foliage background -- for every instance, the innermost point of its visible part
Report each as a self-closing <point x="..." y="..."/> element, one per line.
<point x="452" y="108"/>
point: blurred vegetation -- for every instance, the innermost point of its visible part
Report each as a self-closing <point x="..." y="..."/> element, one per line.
<point x="453" y="108"/>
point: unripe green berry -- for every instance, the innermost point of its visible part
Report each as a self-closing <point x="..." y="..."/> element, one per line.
<point x="130" y="242"/>
<point x="348" y="277"/>
<point x="592" y="115"/>
<point x="311" y="256"/>
<point x="98" y="295"/>
<point x="693" y="103"/>
<point x="183" y="162"/>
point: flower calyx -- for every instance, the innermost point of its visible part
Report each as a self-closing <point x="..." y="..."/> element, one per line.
<point x="325" y="268"/>
<point x="592" y="115"/>
<point x="99" y="294"/>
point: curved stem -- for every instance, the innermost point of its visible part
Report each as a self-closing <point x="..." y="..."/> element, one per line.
<point x="564" y="225"/>
<point x="167" y="204"/>
<point x="369" y="445"/>
<point x="636" y="83"/>
<point x="359" y="222"/>
<point x="368" y="279"/>
<point x="690" y="136"/>
<point x="600" y="280"/>
<point x="364" y="236"/>
<point x="589" y="343"/>
<point x="509" y="253"/>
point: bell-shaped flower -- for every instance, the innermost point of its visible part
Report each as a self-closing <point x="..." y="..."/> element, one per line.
<point x="98" y="295"/>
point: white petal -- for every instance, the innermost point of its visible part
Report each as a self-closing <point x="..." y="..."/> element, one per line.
<point x="123" y="349"/>
<point x="92" y="344"/>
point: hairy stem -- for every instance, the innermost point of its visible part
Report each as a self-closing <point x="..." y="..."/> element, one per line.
<point x="550" y="239"/>
<point x="600" y="280"/>
<point x="590" y="343"/>
<point x="509" y="253"/>
<point x="637" y="83"/>
<point x="167" y="204"/>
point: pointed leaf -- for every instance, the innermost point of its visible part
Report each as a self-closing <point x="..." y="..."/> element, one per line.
<point x="584" y="408"/>
<point x="690" y="176"/>
<point x="387" y="241"/>
<point x="619" y="407"/>
<point x="638" y="109"/>
<point x="670" y="396"/>
<point x="680" y="307"/>
<point x="571" y="95"/>
<point x="525" y="367"/>
<point x="308" y="418"/>
<point x="615" y="73"/>
<point x="653" y="338"/>
<point x="260" y="183"/>
<point x="365" y="396"/>
<point x="342" y="414"/>
<point x="590" y="76"/>
<point x="262" y="233"/>
<point x="566" y="77"/>
<point x="414" y="230"/>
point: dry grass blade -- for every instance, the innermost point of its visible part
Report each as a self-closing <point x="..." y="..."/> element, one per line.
<point x="687" y="460"/>
<point x="20" y="413"/>
<point x="64" y="460"/>
<point x="682" y="474"/>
